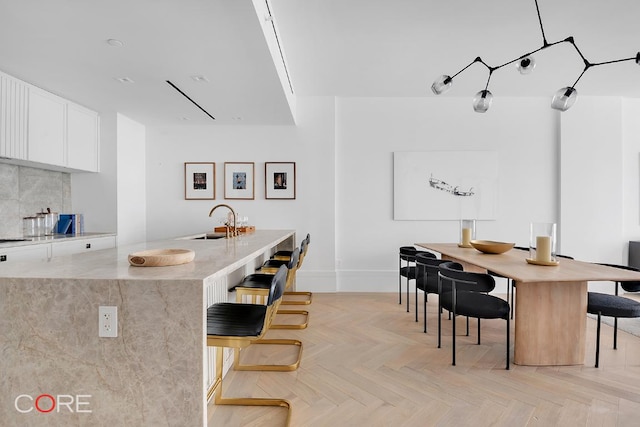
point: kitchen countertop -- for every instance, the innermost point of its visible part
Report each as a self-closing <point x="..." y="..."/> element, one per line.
<point x="49" y="239"/>
<point x="212" y="256"/>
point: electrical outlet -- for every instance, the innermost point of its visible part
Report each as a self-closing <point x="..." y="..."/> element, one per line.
<point x="107" y="321"/>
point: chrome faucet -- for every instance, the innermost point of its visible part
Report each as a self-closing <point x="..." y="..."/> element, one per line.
<point x="230" y="231"/>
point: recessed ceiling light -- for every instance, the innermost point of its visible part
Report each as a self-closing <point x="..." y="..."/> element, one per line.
<point x="124" y="79"/>
<point x="200" y="79"/>
<point x="115" y="43"/>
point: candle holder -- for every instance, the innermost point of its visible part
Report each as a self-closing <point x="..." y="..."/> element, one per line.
<point x="542" y="243"/>
<point x="467" y="232"/>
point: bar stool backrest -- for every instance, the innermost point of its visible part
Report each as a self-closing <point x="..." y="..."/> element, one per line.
<point x="278" y="284"/>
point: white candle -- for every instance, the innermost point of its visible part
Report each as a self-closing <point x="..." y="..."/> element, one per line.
<point x="543" y="248"/>
<point x="466" y="236"/>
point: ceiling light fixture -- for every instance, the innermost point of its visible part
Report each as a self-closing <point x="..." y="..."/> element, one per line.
<point x="200" y="79"/>
<point x="562" y="100"/>
<point x="115" y="43"/>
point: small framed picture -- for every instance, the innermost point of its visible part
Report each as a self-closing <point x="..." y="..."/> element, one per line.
<point x="239" y="180"/>
<point x="199" y="181"/>
<point x="280" y="180"/>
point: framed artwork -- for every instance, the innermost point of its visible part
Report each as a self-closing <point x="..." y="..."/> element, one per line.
<point x="199" y="181"/>
<point x="239" y="180"/>
<point x="445" y="185"/>
<point x="280" y="180"/>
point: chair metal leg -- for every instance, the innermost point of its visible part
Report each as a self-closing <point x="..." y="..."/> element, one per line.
<point x="408" y="273"/>
<point x="399" y="281"/>
<point x="508" y="344"/>
<point x="598" y="340"/>
<point x="439" y="324"/>
<point x="478" y="331"/>
<point x="280" y="368"/>
<point x="424" y="311"/>
<point x="302" y="325"/>
<point x="297" y="302"/>
<point x="242" y="401"/>
<point x="615" y="333"/>
<point x="453" y="346"/>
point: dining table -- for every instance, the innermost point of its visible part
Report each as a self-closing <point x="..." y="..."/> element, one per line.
<point x="550" y="300"/>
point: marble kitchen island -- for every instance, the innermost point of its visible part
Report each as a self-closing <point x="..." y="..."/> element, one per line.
<point x="156" y="372"/>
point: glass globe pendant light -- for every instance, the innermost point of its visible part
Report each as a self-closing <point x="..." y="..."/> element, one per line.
<point x="526" y="65"/>
<point x="442" y="84"/>
<point x="482" y="101"/>
<point x="564" y="99"/>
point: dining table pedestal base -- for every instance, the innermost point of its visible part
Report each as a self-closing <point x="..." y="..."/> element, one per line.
<point x="551" y="323"/>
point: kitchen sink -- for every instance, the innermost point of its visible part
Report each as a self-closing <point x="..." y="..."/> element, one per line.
<point x="211" y="236"/>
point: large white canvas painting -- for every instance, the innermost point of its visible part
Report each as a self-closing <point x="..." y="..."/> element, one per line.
<point x="445" y="185"/>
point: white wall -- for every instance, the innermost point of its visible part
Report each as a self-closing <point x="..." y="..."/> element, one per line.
<point x="310" y="144"/>
<point x="631" y="170"/>
<point x="95" y="194"/>
<point x="524" y="132"/>
<point x="343" y="152"/>
<point x="592" y="180"/>
<point x="131" y="183"/>
<point x="114" y="199"/>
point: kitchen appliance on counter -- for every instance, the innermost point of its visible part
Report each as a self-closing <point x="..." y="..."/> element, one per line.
<point x="41" y="224"/>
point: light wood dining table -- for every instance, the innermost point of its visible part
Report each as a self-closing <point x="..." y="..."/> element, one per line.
<point x="550" y="303"/>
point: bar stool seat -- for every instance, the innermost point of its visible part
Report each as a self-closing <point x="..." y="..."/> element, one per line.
<point x="243" y="320"/>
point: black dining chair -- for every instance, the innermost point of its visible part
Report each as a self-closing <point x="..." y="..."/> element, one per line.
<point x="466" y="293"/>
<point x="426" y="280"/>
<point x="614" y="306"/>
<point x="407" y="255"/>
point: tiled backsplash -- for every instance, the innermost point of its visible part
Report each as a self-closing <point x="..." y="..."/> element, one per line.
<point x="25" y="191"/>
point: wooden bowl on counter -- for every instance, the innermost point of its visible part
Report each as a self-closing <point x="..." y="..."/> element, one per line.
<point x="491" y="247"/>
<point x="161" y="257"/>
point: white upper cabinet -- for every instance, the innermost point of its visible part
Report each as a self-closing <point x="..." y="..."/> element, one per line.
<point x="13" y="118"/>
<point x="47" y="128"/>
<point x="38" y="126"/>
<point x="82" y="138"/>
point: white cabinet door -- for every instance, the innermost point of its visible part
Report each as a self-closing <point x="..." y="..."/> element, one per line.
<point x="47" y="128"/>
<point x="82" y="138"/>
<point x="13" y="118"/>
<point x="25" y="253"/>
<point x="82" y="245"/>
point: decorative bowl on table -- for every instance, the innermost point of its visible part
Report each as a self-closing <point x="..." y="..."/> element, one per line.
<point x="491" y="247"/>
<point x="161" y="257"/>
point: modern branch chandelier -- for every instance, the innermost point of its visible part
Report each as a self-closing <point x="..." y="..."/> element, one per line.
<point x="562" y="100"/>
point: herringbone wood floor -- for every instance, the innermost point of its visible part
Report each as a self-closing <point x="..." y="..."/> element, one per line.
<point x="366" y="362"/>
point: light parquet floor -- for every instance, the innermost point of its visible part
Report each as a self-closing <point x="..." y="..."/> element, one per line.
<point x="366" y="362"/>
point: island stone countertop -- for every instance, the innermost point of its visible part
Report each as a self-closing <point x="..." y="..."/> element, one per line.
<point x="157" y="371"/>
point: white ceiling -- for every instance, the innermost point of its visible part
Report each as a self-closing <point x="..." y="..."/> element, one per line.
<point x="377" y="48"/>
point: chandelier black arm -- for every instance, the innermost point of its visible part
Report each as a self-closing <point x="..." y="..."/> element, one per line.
<point x="589" y="65"/>
<point x="544" y="38"/>
<point x="478" y="59"/>
<point x="616" y="60"/>
<point x="545" y="46"/>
